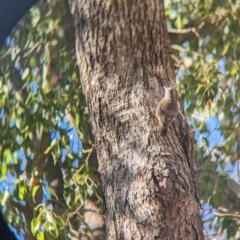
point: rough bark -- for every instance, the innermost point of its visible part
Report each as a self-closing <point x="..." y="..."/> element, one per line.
<point x="149" y="182"/>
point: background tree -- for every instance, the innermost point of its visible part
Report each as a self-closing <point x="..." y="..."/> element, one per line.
<point x="205" y="41"/>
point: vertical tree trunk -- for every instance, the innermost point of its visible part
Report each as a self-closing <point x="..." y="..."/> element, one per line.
<point x="149" y="182"/>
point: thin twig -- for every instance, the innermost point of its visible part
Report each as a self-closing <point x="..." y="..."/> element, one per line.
<point x="71" y="214"/>
<point x="232" y="215"/>
<point x="184" y="31"/>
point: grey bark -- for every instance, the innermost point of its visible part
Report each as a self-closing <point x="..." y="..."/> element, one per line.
<point x="149" y="182"/>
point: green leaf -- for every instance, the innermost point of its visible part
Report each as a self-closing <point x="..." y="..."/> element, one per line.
<point x="40" y="236"/>
<point x="35" y="225"/>
<point x="198" y="89"/>
<point x="3" y="170"/>
<point x="52" y="192"/>
<point x="4" y="198"/>
<point x="209" y="165"/>
<point x="25" y="73"/>
<point x="22" y="192"/>
<point x="32" y="62"/>
<point x="7" y="156"/>
<point x="51" y="227"/>
<point x="226" y="46"/>
<point x="34" y="191"/>
<point x="234" y="187"/>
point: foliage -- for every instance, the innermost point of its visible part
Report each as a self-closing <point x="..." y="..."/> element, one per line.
<point x="205" y="42"/>
<point x="40" y="102"/>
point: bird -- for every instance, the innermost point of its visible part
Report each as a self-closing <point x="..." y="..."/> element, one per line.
<point x="167" y="110"/>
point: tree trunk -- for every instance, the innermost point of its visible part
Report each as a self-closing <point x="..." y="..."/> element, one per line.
<point x="149" y="181"/>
